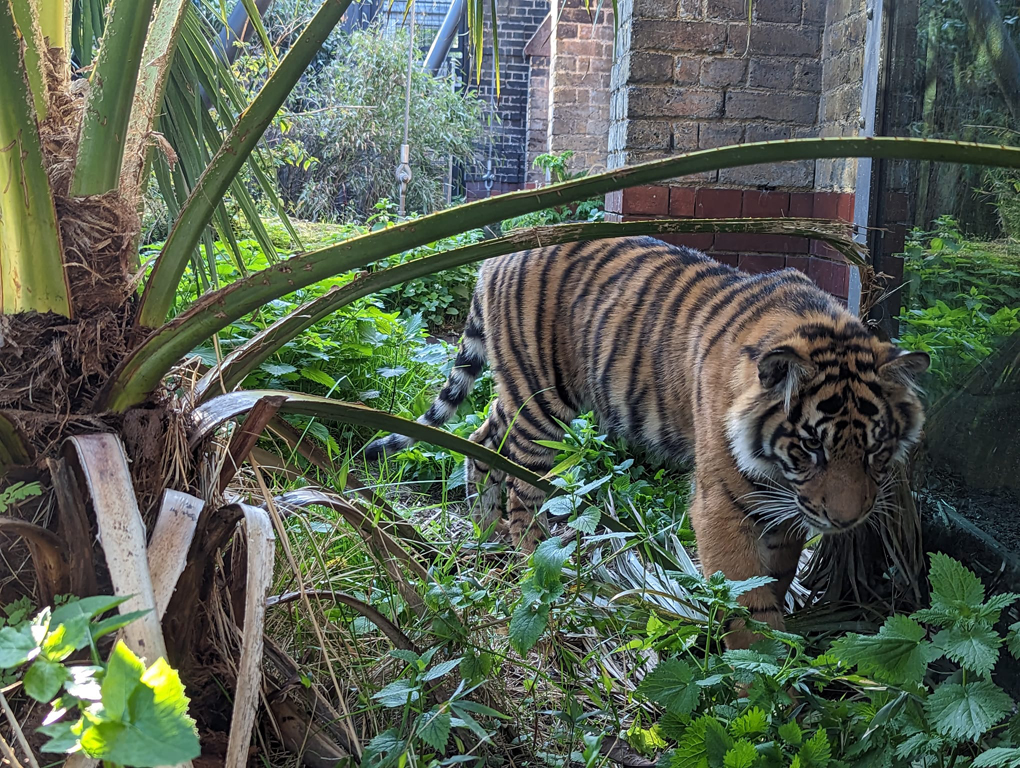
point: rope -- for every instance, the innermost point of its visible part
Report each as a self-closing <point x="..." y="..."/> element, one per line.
<point x="404" y="174"/>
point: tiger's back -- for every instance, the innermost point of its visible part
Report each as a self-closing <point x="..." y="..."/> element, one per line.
<point x="780" y="393"/>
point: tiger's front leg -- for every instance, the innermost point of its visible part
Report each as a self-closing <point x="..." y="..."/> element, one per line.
<point x="732" y="541"/>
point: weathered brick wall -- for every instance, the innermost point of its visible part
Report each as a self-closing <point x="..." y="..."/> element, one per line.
<point x="581" y="60"/>
<point x="518" y="20"/>
<point x="840" y="107"/>
<point x="537" y="50"/>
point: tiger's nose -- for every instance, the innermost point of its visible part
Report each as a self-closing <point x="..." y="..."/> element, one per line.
<point x="850" y="504"/>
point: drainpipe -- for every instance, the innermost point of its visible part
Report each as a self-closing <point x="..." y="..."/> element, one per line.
<point x="238" y="28"/>
<point x="444" y="38"/>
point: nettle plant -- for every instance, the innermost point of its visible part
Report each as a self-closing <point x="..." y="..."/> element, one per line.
<point x="917" y="694"/>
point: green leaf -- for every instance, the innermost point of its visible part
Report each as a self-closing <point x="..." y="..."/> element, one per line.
<point x="441" y="669"/>
<point x="153" y="727"/>
<point x="1000" y="757"/>
<point x="1012" y="640"/>
<point x="966" y="711"/>
<point x="17" y="645"/>
<point x="976" y="649"/>
<point x="44" y="679"/>
<point x="791" y="733"/>
<point x="898" y="653"/>
<point x="587" y="520"/>
<point x="671" y="685"/>
<point x="738" y="588"/>
<point x="319" y="377"/>
<point x="434" y="728"/>
<point x="383" y="749"/>
<point x="751" y="723"/>
<point x="691" y="751"/>
<point x="751" y="661"/>
<point x="397" y="694"/>
<point x="717" y="743"/>
<point x="63" y="736"/>
<point x="742" y="755"/>
<point x="528" y="622"/>
<point x="952" y="583"/>
<point x="990" y="611"/>
<point x="816" y="752"/>
<point x="549" y="559"/>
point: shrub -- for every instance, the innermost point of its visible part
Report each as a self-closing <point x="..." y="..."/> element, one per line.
<point x="340" y="142"/>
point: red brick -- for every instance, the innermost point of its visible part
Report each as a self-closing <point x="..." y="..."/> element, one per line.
<point x="800" y="263"/>
<point x="846" y="206"/>
<point x="681" y="202"/>
<point x="701" y="241"/>
<point x="729" y="259"/>
<point x="718" y="203"/>
<point x="825" y="251"/>
<point x="760" y="262"/>
<point x="647" y="200"/>
<point x="826" y="205"/>
<point x="766" y="205"/>
<point x="802" y="204"/>
<point x="830" y="276"/>
<point x="749" y="243"/>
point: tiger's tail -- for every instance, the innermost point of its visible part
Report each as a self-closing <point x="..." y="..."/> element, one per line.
<point x="467" y="367"/>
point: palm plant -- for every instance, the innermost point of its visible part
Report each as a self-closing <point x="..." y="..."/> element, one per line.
<point x="89" y="402"/>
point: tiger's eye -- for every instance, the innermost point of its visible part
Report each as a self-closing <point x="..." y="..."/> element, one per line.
<point x="812" y="444"/>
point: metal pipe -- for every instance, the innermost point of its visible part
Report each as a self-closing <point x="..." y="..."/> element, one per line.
<point x="239" y="28"/>
<point x="444" y="38"/>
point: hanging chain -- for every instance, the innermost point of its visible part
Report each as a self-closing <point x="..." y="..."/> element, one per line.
<point x="404" y="174"/>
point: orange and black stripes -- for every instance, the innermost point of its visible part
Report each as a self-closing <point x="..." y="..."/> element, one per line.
<point x="795" y="414"/>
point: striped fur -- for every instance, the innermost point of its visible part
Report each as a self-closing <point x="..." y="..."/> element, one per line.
<point x="794" y="413"/>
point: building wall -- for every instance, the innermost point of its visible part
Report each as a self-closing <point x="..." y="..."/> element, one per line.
<point x="518" y="21"/>
<point x="581" y="49"/>
<point x="537" y="50"/>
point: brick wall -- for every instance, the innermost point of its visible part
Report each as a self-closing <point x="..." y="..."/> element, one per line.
<point x="581" y="60"/>
<point x="518" y="21"/>
<point x="840" y="104"/>
<point x="537" y="50"/>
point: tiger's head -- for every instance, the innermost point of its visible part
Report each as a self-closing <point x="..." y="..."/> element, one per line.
<point x="824" y="417"/>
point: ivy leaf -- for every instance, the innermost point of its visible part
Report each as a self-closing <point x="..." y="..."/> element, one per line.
<point x="441" y="669"/>
<point x="44" y="679"/>
<point x="816" y="752"/>
<point x="434" y="728"/>
<point x="976" y="648"/>
<point x="953" y="584"/>
<point x="586" y="521"/>
<point x="742" y="755"/>
<point x="397" y="694"/>
<point x="897" y="653"/>
<point x="528" y="622"/>
<point x="966" y="711"/>
<point x="751" y="723"/>
<point x="671" y="685"/>
<point x="1000" y="757"/>
<point x="152" y="727"/>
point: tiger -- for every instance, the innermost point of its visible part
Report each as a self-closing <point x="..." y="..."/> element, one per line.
<point x="794" y="414"/>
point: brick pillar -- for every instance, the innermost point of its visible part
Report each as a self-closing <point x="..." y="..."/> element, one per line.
<point x="691" y="75"/>
<point x="581" y="58"/>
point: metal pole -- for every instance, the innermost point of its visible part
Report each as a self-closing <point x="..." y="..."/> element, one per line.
<point x="444" y="37"/>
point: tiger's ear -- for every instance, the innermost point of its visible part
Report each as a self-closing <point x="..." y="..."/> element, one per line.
<point x="781" y="371"/>
<point x="903" y="366"/>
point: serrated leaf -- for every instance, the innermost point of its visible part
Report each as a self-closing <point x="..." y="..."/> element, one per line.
<point x="278" y="369"/>
<point x="587" y="520"/>
<point x="741" y="755"/>
<point x="474" y="668"/>
<point x="434" y="729"/>
<point x="44" y="679"/>
<point x="738" y="588"/>
<point x="717" y="743"/>
<point x="791" y="733"/>
<point x="1012" y="640"/>
<point x="397" y="694"/>
<point x="528" y="622"/>
<point x="549" y="559"/>
<point x="153" y="727"/>
<point x="441" y="669"/>
<point x="816" y="752"/>
<point x="999" y="757"/>
<point x="691" y="751"/>
<point x="380" y="751"/>
<point x="318" y="376"/>
<point x="953" y="584"/>
<point x="404" y="655"/>
<point x="671" y="685"/>
<point x="751" y="723"/>
<point x="966" y="711"/>
<point x="897" y="653"/>
<point x="751" y="661"/>
<point x="976" y="649"/>
<point x="990" y="611"/>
